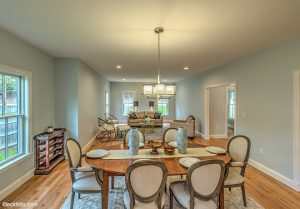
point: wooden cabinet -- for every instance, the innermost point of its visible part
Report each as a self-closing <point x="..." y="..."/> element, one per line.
<point x="49" y="150"/>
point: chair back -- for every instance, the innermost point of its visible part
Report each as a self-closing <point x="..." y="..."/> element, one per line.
<point x="205" y="179"/>
<point x="190" y="119"/>
<point x="170" y="135"/>
<point x="144" y="187"/>
<point x="74" y="153"/>
<point x="101" y="122"/>
<point x="126" y="137"/>
<point x="239" y="148"/>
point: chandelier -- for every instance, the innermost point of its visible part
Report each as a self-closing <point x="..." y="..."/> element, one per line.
<point x="159" y="90"/>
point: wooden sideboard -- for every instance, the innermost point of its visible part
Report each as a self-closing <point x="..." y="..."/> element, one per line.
<point x="49" y="150"/>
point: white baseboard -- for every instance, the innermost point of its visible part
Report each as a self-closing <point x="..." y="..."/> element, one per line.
<point x="12" y="187"/>
<point x="88" y="146"/>
<point x="279" y="177"/>
<point x="220" y="136"/>
<point x="201" y="134"/>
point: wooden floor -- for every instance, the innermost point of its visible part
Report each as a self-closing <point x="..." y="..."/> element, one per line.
<point x="50" y="191"/>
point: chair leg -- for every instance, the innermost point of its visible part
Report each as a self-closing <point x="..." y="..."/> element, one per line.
<point x="72" y="200"/>
<point x="112" y="182"/>
<point x="229" y="188"/>
<point x="171" y="199"/>
<point x="244" y="195"/>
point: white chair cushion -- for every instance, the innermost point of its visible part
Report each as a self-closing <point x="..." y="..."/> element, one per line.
<point x="181" y="193"/>
<point x="140" y="205"/>
<point x="237" y="164"/>
<point x="234" y="176"/>
<point x="86" y="181"/>
<point x="85" y="169"/>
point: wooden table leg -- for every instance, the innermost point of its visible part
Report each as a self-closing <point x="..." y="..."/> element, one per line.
<point x="221" y="199"/>
<point x="105" y="188"/>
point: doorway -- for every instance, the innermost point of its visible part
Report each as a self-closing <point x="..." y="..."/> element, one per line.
<point x="230" y="101"/>
<point x="220" y="110"/>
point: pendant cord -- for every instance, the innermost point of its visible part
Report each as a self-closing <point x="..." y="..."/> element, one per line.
<point x="158" y="44"/>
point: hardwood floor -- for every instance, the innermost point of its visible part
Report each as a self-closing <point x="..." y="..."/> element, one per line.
<point x="50" y="191"/>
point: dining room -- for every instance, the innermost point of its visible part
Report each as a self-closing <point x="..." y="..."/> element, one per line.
<point x="105" y="104"/>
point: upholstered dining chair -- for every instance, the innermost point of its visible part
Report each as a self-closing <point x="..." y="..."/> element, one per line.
<point x="145" y="191"/>
<point x="106" y="129"/>
<point x="202" y="186"/>
<point x="239" y="150"/>
<point x="170" y="135"/>
<point x="126" y="137"/>
<point x="85" y="180"/>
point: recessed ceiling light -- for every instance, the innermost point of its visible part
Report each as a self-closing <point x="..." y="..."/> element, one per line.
<point x="118" y="66"/>
<point x="186" y="68"/>
<point x="124" y="79"/>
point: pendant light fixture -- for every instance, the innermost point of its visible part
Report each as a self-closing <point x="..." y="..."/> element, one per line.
<point x="159" y="90"/>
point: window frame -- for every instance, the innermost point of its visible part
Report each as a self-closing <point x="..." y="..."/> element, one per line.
<point x="26" y="115"/>
<point x="123" y="113"/>
<point x="164" y="103"/>
<point x="106" y="95"/>
<point x="231" y="106"/>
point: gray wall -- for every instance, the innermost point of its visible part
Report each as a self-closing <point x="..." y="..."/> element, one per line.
<point x="91" y="102"/>
<point x="15" y="52"/>
<point x="217" y="105"/>
<point x="264" y="97"/>
<point x="80" y="93"/>
<point x="116" y="108"/>
<point x="66" y="95"/>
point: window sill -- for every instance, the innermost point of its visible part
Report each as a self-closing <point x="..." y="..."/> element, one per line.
<point x="14" y="162"/>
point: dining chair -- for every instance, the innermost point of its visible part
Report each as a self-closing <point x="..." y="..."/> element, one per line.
<point x="170" y="135"/>
<point x="106" y="129"/>
<point x="145" y="191"/>
<point x="202" y="186"/>
<point x="111" y="118"/>
<point x="126" y="137"/>
<point x="239" y="150"/>
<point x="85" y="180"/>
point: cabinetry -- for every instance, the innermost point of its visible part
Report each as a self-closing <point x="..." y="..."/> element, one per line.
<point x="49" y="150"/>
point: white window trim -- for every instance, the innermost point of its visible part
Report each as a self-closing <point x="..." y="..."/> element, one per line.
<point x="107" y="101"/>
<point x="28" y="148"/>
<point x="124" y="114"/>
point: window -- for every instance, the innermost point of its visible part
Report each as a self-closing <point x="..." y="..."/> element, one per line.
<point x="11" y="117"/>
<point x="163" y="106"/>
<point x="231" y="104"/>
<point x="106" y="102"/>
<point x="128" y="98"/>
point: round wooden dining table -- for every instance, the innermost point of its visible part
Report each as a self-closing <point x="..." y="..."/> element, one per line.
<point x="118" y="167"/>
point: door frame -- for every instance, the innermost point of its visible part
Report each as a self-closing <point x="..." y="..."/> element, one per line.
<point x="206" y="108"/>
<point x="296" y="128"/>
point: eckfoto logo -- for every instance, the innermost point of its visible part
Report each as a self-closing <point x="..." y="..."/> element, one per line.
<point x="19" y="204"/>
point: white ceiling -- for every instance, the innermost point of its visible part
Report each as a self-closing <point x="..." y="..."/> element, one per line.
<point x="199" y="34"/>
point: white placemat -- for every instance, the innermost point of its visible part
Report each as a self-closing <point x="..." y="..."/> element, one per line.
<point x="146" y="153"/>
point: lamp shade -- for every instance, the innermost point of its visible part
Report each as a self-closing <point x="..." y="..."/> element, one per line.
<point x="160" y="88"/>
<point x="151" y="104"/>
<point x="148" y="89"/>
<point x="170" y="89"/>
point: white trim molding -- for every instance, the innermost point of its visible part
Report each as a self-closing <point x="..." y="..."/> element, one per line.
<point x="88" y="146"/>
<point x="219" y="136"/>
<point x="279" y="177"/>
<point x="296" y="127"/>
<point x="12" y="187"/>
<point x="201" y="134"/>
